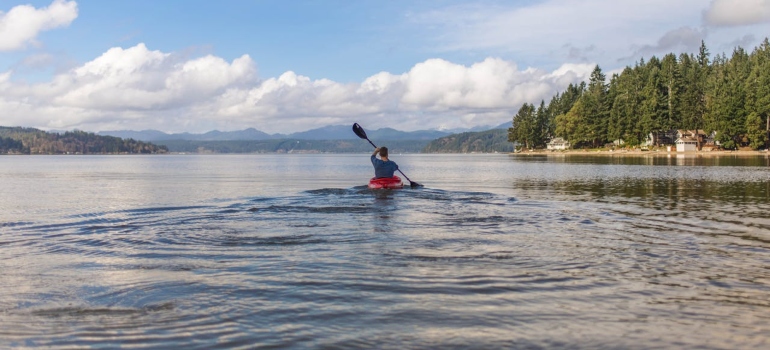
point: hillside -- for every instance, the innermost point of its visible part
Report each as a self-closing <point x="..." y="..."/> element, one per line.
<point x="334" y="132"/>
<point x="489" y="141"/>
<point x="17" y="140"/>
<point x="291" y="146"/>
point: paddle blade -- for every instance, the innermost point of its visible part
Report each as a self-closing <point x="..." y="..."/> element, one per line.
<point x="359" y="131"/>
<point x="415" y="185"/>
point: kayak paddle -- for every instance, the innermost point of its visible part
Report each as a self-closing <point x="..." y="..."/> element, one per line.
<point x="362" y="134"/>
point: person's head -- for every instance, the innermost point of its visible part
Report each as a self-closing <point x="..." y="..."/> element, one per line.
<point x="384" y="152"/>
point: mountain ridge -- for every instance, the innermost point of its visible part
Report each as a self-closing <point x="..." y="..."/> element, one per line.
<point x="331" y="132"/>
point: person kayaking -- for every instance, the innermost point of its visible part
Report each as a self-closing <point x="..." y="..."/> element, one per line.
<point x="383" y="167"/>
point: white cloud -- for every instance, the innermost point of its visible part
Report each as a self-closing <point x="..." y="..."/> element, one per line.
<point x="21" y="25"/>
<point x="137" y="88"/>
<point x="737" y="12"/>
<point x="548" y="31"/>
<point x="685" y="39"/>
<point x="435" y="93"/>
<point x="140" y="79"/>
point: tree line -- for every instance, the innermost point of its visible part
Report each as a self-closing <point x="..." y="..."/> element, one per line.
<point x="291" y="146"/>
<point x="489" y="141"/>
<point x="726" y="95"/>
<point x="18" y="140"/>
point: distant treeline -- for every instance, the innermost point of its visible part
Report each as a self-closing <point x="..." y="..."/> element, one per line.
<point x="17" y="140"/>
<point x="481" y="142"/>
<point x="489" y="141"/>
<point x="730" y="96"/>
<point x="291" y="146"/>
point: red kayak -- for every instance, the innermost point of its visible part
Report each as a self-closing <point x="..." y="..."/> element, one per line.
<point x="386" y="183"/>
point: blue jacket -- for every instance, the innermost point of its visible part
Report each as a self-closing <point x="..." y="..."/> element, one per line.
<point x="382" y="168"/>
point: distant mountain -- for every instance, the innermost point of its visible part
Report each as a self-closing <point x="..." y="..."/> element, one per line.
<point x="155" y="135"/>
<point x="392" y="134"/>
<point x="345" y="132"/>
<point x="144" y="135"/>
<point x="505" y="125"/>
<point x="490" y="141"/>
<point x="248" y="134"/>
<point x="290" y="146"/>
<point x="333" y="132"/>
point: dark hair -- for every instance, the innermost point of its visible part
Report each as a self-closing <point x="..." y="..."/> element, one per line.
<point x="383" y="151"/>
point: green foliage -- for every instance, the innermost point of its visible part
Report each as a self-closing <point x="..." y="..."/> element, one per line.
<point x="525" y="127"/>
<point x="489" y="141"/>
<point x="18" y="140"/>
<point x="571" y="125"/>
<point x="11" y="146"/>
<point x="691" y="92"/>
<point x="755" y="131"/>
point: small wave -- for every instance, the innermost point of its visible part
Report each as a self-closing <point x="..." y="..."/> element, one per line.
<point x="84" y="311"/>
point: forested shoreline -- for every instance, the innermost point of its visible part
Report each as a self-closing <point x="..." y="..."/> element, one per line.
<point x="18" y="140"/>
<point x="490" y="141"/>
<point x="728" y="96"/>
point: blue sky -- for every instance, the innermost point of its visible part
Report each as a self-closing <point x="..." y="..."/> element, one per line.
<point x="284" y="66"/>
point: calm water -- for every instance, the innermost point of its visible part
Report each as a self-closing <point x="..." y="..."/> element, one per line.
<point x="291" y="251"/>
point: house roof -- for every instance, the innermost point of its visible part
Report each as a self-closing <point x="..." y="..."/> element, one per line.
<point x="557" y="140"/>
<point x="690" y="132"/>
<point x="687" y="139"/>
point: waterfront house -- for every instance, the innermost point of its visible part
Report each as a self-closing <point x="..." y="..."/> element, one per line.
<point x="558" y="144"/>
<point x="686" y="144"/>
<point x="698" y="135"/>
<point x="657" y="138"/>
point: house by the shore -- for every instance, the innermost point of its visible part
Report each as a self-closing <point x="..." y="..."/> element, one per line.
<point x="558" y="143"/>
<point x="686" y="144"/>
<point x="685" y="140"/>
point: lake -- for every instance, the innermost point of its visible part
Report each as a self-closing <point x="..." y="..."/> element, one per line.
<point x="293" y="251"/>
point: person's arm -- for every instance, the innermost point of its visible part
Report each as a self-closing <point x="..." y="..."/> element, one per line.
<point x="374" y="156"/>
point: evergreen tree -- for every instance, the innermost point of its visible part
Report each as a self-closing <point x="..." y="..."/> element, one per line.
<point x="655" y="104"/>
<point x="523" y="125"/>
<point x="596" y="113"/>
<point x="672" y="83"/>
<point x="758" y="86"/>
<point x="573" y="126"/>
<point x="755" y="131"/>
<point x="692" y="92"/>
<point x="540" y="132"/>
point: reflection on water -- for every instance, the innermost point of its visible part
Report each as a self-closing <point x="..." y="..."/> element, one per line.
<point x="528" y="252"/>
<point x="758" y="159"/>
<point x="669" y="193"/>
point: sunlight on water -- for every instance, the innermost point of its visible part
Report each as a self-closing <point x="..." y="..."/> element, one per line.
<point x="496" y="251"/>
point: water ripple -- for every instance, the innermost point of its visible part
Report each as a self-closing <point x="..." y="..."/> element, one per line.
<point x="318" y="269"/>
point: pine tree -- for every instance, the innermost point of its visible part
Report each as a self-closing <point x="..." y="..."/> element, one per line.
<point x="755" y="131"/>
<point x="523" y="126"/>
<point x="758" y="86"/>
<point x="596" y="111"/>
<point x="672" y="83"/>
<point x="540" y="127"/>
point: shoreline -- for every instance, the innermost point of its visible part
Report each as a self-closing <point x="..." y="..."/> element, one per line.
<point x="637" y="153"/>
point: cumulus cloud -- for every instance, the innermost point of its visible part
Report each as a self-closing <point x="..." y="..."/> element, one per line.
<point x="685" y="39"/>
<point x="140" y="79"/>
<point x="21" y="25"/>
<point x="139" y="88"/>
<point x="737" y="12"/>
<point x="548" y="31"/>
<point x="433" y="94"/>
